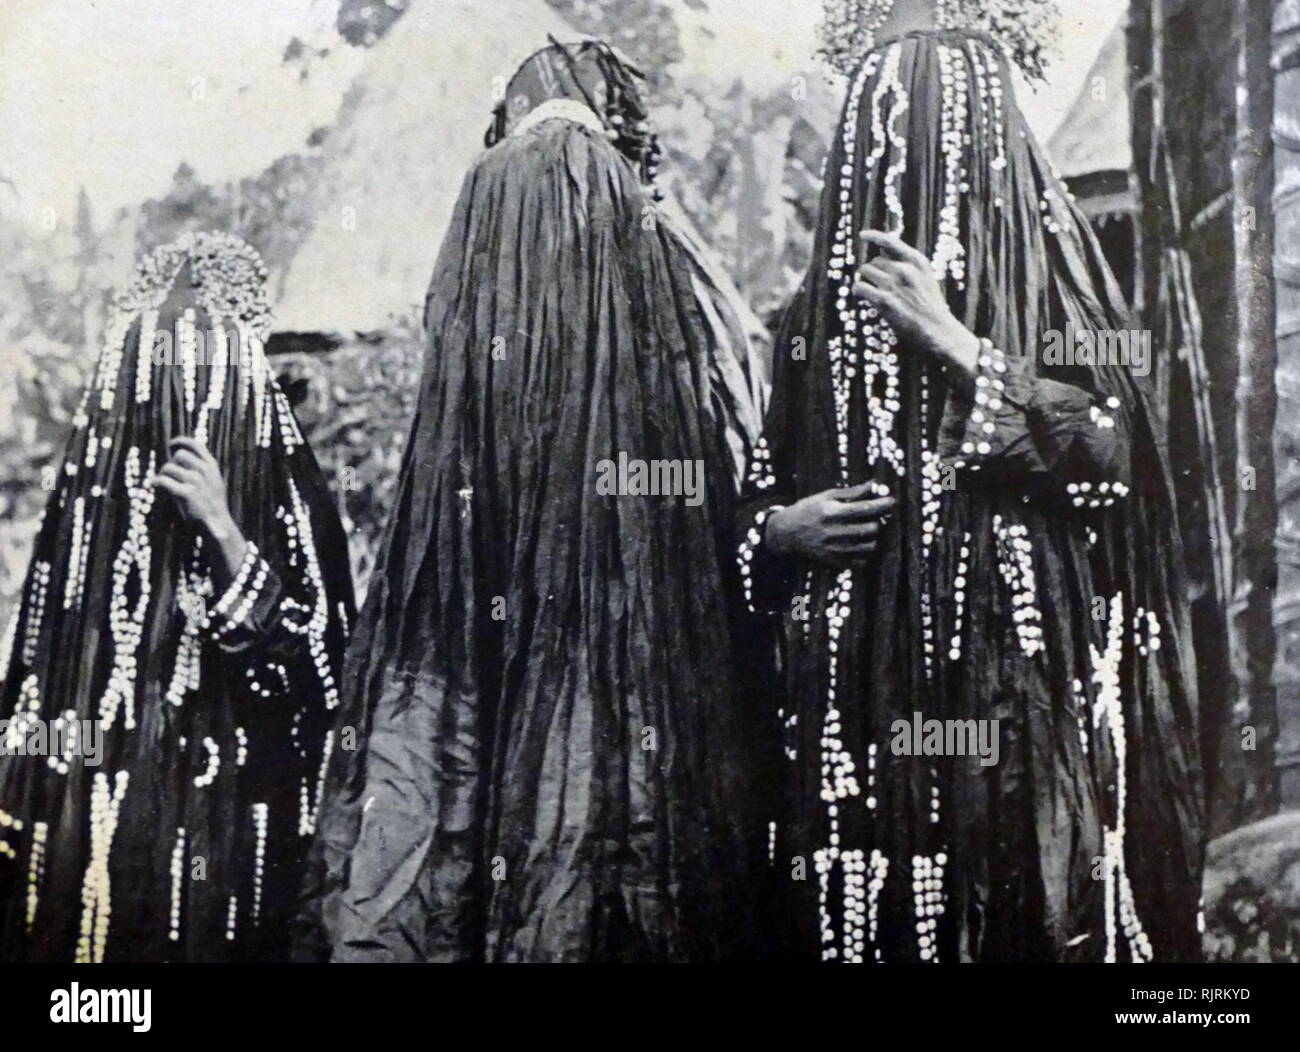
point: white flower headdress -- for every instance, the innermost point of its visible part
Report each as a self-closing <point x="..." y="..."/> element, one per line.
<point x="1026" y="30"/>
<point x="229" y="275"/>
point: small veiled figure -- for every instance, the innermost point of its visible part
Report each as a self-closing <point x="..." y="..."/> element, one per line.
<point x="170" y="668"/>
<point x="553" y="762"/>
<point x="962" y="516"/>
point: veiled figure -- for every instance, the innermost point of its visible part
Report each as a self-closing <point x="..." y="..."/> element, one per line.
<point x="553" y="746"/>
<point x="170" y="667"/>
<point x="954" y="523"/>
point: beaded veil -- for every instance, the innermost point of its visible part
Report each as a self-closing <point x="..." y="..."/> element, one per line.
<point x="1030" y="573"/>
<point x="212" y="701"/>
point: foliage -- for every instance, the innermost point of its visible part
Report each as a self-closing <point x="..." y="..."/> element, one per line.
<point x="1252" y="893"/>
<point x="355" y="404"/>
<point x="267" y="210"/>
<point x="46" y="313"/>
<point x="743" y="166"/>
<point x="755" y="187"/>
<point x="1251" y="927"/>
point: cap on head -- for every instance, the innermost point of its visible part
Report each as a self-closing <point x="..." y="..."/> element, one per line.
<point x="589" y="72"/>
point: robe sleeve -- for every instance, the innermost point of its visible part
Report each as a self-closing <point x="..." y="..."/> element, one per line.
<point x="770" y="580"/>
<point x="256" y="612"/>
<point x="1042" y="435"/>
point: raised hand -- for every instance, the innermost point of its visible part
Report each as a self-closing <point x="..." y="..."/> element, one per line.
<point x="899" y="282"/>
<point x="193" y="478"/>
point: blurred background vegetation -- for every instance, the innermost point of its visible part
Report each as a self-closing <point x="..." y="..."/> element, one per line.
<point x="354" y="383"/>
<point x="350" y="219"/>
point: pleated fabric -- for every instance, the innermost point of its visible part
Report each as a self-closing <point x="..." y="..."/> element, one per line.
<point x="553" y="761"/>
<point x="1030" y="575"/>
<point x="186" y="840"/>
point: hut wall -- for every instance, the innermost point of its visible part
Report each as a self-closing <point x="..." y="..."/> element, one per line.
<point x="1286" y="211"/>
<point x="1201" y="102"/>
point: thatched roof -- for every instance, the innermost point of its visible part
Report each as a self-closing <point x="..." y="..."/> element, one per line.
<point x="1094" y="136"/>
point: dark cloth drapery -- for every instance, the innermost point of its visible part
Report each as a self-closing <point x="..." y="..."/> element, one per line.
<point x="553" y="764"/>
<point x="1030" y="576"/>
<point x="186" y="840"/>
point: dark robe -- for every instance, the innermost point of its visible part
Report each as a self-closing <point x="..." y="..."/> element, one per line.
<point x="186" y="841"/>
<point x="553" y="763"/>
<point x="1030" y="574"/>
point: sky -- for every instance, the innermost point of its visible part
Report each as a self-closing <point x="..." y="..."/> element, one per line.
<point x="114" y="94"/>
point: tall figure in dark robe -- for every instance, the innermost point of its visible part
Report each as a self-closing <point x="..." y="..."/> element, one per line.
<point x="958" y="516"/>
<point x="552" y="764"/>
<point x="170" y="670"/>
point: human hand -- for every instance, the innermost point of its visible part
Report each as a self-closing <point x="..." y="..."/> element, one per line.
<point x="838" y="527"/>
<point x="899" y="282"/>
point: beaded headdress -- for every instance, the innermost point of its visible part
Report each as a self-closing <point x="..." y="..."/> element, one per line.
<point x="228" y="274"/>
<point x="1026" y="30"/>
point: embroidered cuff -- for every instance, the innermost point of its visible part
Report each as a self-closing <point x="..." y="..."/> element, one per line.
<point x="750" y="546"/>
<point x="238" y="600"/>
<point x="1095" y="495"/>
<point x="760" y="474"/>
<point x="977" y="435"/>
<point x="1099" y="492"/>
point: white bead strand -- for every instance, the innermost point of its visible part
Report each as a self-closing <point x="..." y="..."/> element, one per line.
<point x="879" y="871"/>
<point x="187" y="353"/>
<point x="110" y="362"/>
<point x="126" y="626"/>
<point x="1016" y="566"/>
<point x="36" y="870"/>
<point x="80" y="556"/>
<point x="949" y="251"/>
<point x="1119" y="904"/>
<point x="319" y="622"/>
<point x="959" y="584"/>
<point x="96" y="891"/>
<point x="144" y="354"/>
<point x="219" y="361"/>
<point x="213" y="766"/>
<point x="178" y="885"/>
<point x="261" y="818"/>
<point x="36" y="616"/>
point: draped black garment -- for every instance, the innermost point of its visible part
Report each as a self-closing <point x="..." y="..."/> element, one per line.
<point x="1030" y="574"/>
<point x="553" y="761"/>
<point x="186" y="841"/>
